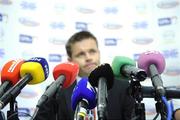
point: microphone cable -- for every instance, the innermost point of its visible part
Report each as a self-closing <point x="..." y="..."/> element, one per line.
<point x="27" y="114"/>
<point x="156" y="116"/>
<point x="35" y="113"/>
<point x="168" y="107"/>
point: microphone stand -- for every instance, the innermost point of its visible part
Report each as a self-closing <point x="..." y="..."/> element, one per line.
<point x="56" y="96"/>
<point x="12" y="114"/>
<point x="136" y="92"/>
<point x="160" y="107"/>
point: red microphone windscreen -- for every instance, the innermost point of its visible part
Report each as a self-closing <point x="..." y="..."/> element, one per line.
<point x="69" y="70"/>
<point x="11" y="71"/>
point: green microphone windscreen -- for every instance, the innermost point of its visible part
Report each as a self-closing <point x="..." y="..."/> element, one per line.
<point x="117" y="64"/>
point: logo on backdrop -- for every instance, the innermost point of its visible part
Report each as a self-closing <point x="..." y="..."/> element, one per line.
<point x="85" y="10"/>
<point x="26" y="54"/>
<point x="57" y="41"/>
<point x="81" y="26"/>
<point x="172" y="71"/>
<point x="26" y="38"/>
<point x="141" y="7"/>
<point x="1" y="34"/>
<point x="111" y="10"/>
<point x="140" y="25"/>
<point x="136" y="56"/>
<point x="166" y="4"/>
<point x="168" y="36"/>
<point x="6" y="2"/>
<point x="28" y="22"/>
<point x="112" y="26"/>
<point x="57" y="25"/>
<point x="3" y="17"/>
<point x="172" y="53"/>
<point x="59" y="8"/>
<point x="2" y="52"/>
<point x="167" y="21"/>
<point x="28" y="5"/>
<point x="111" y="41"/>
<point x="142" y="40"/>
<point x="55" y="57"/>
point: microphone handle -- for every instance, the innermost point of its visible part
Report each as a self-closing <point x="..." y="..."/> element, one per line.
<point x="4" y="87"/>
<point x="15" y="90"/>
<point x="156" y="80"/>
<point x="132" y="71"/>
<point x="82" y="110"/>
<point x="51" y="90"/>
<point x="102" y="97"/>
<point x="80" y="117"/>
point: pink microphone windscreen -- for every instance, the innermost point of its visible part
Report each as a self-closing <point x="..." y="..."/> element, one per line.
<point x="151" y="57"/>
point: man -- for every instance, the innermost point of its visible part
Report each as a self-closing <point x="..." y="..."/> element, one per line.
<point x="176" y="114"/>
<point x="82" y="48"/>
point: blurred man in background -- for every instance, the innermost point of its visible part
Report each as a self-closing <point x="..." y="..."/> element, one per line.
<point x="176" y="114"/>
<point x="82" y="48"/>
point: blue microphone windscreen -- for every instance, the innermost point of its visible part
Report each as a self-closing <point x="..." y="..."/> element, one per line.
<point x="83" y="90"/>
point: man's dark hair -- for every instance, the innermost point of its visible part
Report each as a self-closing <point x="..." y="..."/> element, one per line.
<point x="79" y="36"/>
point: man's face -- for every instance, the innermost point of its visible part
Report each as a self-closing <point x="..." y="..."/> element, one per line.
<point x="87" y="55"/>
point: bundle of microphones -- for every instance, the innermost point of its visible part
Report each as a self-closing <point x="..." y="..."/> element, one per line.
<point x="90" y="91"/>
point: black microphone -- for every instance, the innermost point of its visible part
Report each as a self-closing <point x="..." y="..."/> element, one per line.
<point x="103" y="78"/>
<point x="154" y="64"/>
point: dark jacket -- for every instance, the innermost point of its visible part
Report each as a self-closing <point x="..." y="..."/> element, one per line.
<point x="120" y="105"/>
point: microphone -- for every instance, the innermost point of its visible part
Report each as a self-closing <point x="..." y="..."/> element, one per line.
<point x="83" y="98"/>
<point x="64" y="74"/>
<point x="33" y="71"/>
<point x="10" y="74"/>
<point x="103" y="78"/>
<point x="154" y="64"/>
<point x="149" y="92"/>
<point x="124" y="67"/>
